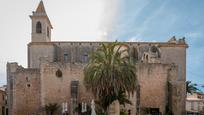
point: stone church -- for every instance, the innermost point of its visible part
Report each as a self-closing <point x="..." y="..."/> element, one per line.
<point x="55" y="73"/>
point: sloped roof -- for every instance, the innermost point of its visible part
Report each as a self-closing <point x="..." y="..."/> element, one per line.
<point x="40" y="8"/>
<point x="40" y="12"/>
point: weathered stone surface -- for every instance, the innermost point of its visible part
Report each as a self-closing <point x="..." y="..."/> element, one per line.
<point x="23" y="90"/>
<point x="153" y="80"/>
<point x="29" y="89"/>
<point x="152" y="75"/>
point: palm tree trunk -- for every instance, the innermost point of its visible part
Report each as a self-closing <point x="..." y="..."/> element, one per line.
<point x="117" y="107"/>
<point x="106" y="111"/>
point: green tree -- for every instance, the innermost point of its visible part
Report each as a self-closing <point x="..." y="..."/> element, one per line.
<point x="191" y="87"/>
<point x="109" y="72"/>
<point x="122" y="98"/>
<point x="105" y="101"/>
<point x="51" y="108"/>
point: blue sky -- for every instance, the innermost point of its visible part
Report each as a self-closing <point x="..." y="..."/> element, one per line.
<point x="124" y="20"/>
<point x="158" y="20"/>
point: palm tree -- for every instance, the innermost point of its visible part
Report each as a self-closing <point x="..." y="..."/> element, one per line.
<point x="191" y="87"/>
<point x="110" y="70"/>
<point x="123" y="99"/>
<point x="105" y="101"/>
<point x="51" y="108"/>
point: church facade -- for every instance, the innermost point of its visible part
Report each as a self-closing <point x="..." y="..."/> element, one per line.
<point x="55" y="73"/>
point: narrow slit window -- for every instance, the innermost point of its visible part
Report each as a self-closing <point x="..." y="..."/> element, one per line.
<point x="85" y="58"/>
<point x="66" y="57"/>
<point x="48" y="32"/>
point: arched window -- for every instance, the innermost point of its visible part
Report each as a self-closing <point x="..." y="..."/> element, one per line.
<point x="38" y="27"/>
<point x="134" y="54"/>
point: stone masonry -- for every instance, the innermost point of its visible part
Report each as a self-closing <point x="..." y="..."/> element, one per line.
<point x="55" y="73"/>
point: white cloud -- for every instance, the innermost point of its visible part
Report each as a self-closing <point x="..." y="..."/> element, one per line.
<point x="193" y="34"/>
<point x="81" y="20"/>
<point x="72" y="20"/>
<point x="134" y="39"/>
<point x="149" y="19"/>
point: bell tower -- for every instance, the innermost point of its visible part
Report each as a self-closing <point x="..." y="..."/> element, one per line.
<point x="41" y="25"/>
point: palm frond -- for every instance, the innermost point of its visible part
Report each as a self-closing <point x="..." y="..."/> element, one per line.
<point x="109" y="71"/>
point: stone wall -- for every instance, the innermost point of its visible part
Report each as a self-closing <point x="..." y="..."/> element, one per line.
<point x="49" y="57"/>
<point x="77" y="52"/>
<point x="55" y="89"/>
<point x="177" y="56"/>
<point x="40" y="37"/>
<point x="37" y="51"/>
<point x="40" y="87"/>
<point x="153" y="86"/>
<point x="24" y="90"/>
